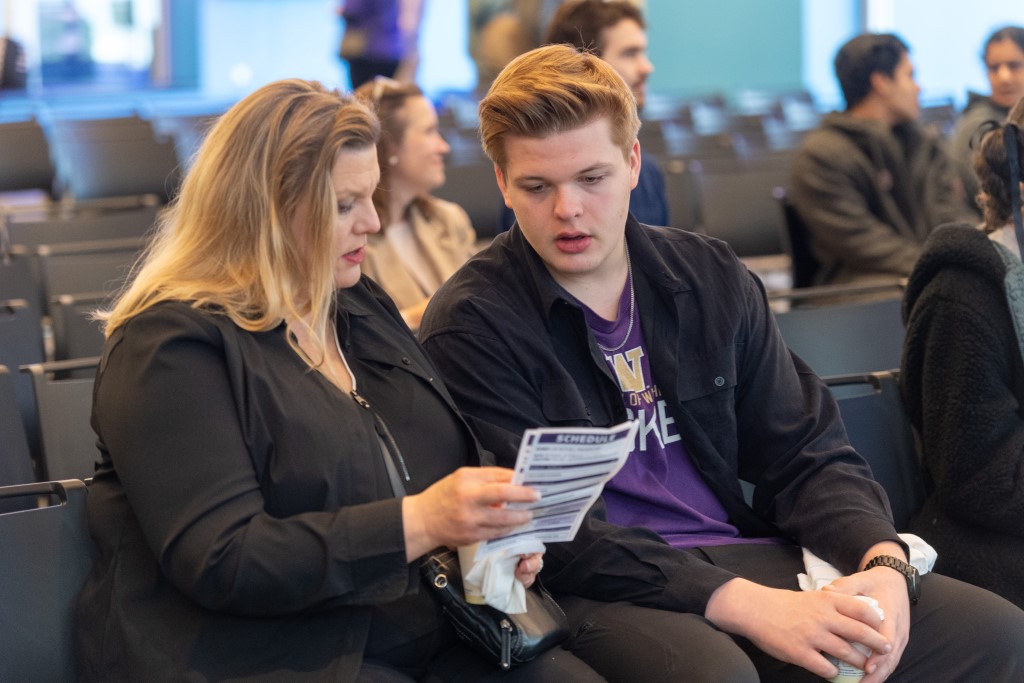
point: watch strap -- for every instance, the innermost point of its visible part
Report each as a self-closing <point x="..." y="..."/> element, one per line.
<point x="908" y="570"/>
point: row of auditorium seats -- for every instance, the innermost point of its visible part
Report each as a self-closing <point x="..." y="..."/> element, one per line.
<point x="90" y="159"/>
<point x="48" y="551"/>
<point x="56" y="267"/>
<point x="700" y="126"/>
<point x="93" y="159"/>
<point x="836" y="339"/>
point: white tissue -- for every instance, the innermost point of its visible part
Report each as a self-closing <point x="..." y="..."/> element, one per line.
<point x="821" y="573"/>
<point x="495" y="574"/>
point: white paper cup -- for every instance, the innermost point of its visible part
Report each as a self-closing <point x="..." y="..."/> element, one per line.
<point x="848" y="673"/>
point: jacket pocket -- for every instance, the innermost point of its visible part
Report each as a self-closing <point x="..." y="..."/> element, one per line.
<point x="706" y="374"/>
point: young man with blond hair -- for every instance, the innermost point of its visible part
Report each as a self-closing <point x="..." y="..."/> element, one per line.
<point x="581" y="316"/>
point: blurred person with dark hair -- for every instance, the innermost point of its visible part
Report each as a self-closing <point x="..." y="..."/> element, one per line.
<point x="423" y="239"/>
<point x="963" y="376"/>
<point x="1003" y="56"/>
<point x="870" y="183"/>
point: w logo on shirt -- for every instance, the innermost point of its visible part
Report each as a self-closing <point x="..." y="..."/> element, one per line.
<point x="628" y="369"/>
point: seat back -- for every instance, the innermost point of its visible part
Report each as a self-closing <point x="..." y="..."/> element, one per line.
<point x="46" y="556"/>
<point x="18" y="279"/>
<point x="64" y="403"/>
<point x="846" y="338"/>
<point x="25" y="157"/>
<point x="82" y="226"/>
<point x="681" y="188"/>
<point x="116" y="157"/>
<point x="75" y="333"/>
<point x="879" y="429"/>
<point x="21" y="342"/>
<point x="740" y="207"/>
<point x="77" y="267"/>
<point x="186" y="130"/>
<point x="473" y="187"/>
<point x="796" y="239"/>
<point x="15" y="461"/>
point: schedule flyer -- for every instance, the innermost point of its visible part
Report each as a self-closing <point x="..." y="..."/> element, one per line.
<point x="569" y="468"/>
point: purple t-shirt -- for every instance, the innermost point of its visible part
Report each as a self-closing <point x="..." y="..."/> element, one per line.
<point x="659" y="487"/>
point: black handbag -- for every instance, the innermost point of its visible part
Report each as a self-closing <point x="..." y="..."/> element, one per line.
<point x="511" y="639"/>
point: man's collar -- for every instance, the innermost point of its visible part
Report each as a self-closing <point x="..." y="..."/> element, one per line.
<point x="647" y="262"/>
<point x="549" y="291"/>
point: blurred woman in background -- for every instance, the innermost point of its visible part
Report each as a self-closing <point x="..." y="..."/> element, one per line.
<point x="1004" y="63"/>
<point x="423" y="239"/>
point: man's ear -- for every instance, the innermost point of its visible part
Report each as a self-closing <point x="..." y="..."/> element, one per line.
<point x="880" y="83"/>
<point x="502" y="185"/>
<point x="634" y="164"/>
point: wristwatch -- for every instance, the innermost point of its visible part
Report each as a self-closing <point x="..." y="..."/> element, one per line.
<point x="909" y="572"/>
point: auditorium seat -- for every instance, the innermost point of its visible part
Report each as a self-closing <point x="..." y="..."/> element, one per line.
<point x="474" y="188"/>
<point x="64" y="404"/>
<point x="100" y="158"/>
<point x="25" y="162"/>
<point x="81" y="225"/>
<point x="796" y="240"/>
<point x="879" y="429"/>
<point x="21" y="342"/>
<point x="93" y="266"/>
<point x="47" y="553"/>
<point x="75" y="333"/>
<point x="844" y="338"/>
<point x="683" y="196"/>
<point x="740" y="207"/>
<point x="15" y="459"/>
<point x="186" y="131"/>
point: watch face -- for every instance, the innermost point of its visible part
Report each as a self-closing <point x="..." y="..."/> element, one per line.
<point x="914" y="584"/>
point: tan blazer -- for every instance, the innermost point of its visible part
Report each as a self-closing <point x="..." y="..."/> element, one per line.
<point x="447" y="241"/>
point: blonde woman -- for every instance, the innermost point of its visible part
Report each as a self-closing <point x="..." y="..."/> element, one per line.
<point x="246" y="525"/>
<point x="423" y="239"/>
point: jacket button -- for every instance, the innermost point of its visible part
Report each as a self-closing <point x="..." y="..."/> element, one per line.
<point x="719" y="381"/>
<point x="406" y="361"/>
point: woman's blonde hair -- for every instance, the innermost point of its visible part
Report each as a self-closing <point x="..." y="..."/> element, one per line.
<point x="555" y="89"/>
<point x="227" y="243"/>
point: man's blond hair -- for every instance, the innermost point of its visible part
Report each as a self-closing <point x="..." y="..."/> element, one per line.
<point x="555" y="89"/>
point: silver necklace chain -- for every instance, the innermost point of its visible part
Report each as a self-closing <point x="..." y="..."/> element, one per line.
<point x="632" y="307"/>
